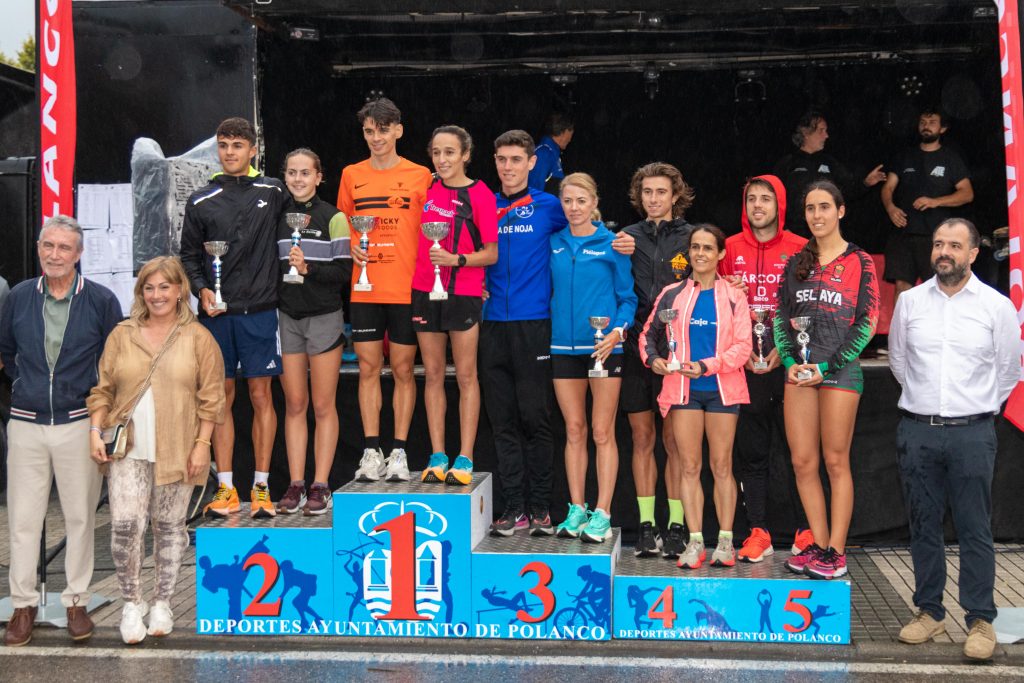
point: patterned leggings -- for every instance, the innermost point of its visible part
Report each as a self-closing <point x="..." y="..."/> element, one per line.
<point x="133" y="498"/>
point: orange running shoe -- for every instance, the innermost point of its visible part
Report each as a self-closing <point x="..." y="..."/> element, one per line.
<point x="804" y="539"/>
<point x="461" y="472"/>
<point x="224" y="502"/>
<point x="757" y="546"/>
<point x="261" y="505"/>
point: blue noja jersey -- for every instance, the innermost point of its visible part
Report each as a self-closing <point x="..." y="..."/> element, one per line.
<point x="519" y="283"/>
<point x="588" y="278"/>
<point x="549" y="163"/>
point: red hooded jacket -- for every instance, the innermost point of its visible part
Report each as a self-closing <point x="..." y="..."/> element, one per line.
<point x="761" y="263"/>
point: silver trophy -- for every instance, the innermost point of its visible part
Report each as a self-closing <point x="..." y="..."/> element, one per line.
<point x="296" y="221"/>
<point x="666" y="316"/>
<point x="363" y="225"/>
<point x="801" y="324"/>
<point x="760" y="315"/>
<point x="216" y="250"/>
<point x="598" y="322"/>
<point x="436" y="230"/>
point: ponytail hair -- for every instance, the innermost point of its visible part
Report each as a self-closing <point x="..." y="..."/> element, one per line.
<point x="808" y="256"/>
<point x="585" y="182"/>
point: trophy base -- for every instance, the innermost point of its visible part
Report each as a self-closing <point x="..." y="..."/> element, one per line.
<point x="290" y="279"/>
<point x="672" y="367"/>
<point x="438" y="296"/>
<point x="760" y="365"/>
<point x="804" y="374"/>
<point x="597" y="374"/>
<point x="221" y="306"/>
<point x="362" y="287"/>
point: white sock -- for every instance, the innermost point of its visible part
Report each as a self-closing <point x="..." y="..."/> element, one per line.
<point x="224" y="479"/>
<point x="261" y="478"/>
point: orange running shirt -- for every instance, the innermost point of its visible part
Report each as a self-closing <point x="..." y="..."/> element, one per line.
<point x="395" y="196"/>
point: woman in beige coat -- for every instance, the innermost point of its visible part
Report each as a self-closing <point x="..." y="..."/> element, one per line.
<point x="169" y="452"/>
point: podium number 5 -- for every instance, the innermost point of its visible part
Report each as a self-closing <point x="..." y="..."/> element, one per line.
<point x="541" y="590"/>
<point x="797" y="608"/>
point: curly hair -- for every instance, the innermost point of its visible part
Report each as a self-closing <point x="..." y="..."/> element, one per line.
<point x="684" y="193"/>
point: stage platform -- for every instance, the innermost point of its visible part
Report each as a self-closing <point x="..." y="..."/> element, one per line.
<point x="881" y="583"/>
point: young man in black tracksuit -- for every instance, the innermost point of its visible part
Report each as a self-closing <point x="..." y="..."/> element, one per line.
<point x="241" y="207"/>
<point x="658" y="192"/>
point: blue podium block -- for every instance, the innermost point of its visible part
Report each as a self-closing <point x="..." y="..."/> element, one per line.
<point x="264" y="577"/>
<point x="543" y="588"/>
<point x="747" y="603"/>
<point x="402" y="556"/>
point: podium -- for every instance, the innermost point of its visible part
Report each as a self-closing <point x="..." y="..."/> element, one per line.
<point x="410" y="559"/>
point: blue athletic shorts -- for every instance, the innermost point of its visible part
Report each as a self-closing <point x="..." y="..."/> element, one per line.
<point x="709" y="402"/>
<point x="248" y="342"/>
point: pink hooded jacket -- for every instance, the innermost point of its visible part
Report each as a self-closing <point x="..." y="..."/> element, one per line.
<point x="733" y="342"/>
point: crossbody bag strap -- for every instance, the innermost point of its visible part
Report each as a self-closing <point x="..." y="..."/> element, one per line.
<point x="152" y="368"/>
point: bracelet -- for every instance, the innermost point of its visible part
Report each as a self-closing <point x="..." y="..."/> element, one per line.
<point x="95" y="429"/>
<point x="198" y="440"/>
<point x="703" y="367"/>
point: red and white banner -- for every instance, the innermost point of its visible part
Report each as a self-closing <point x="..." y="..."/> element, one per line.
<point x="1013" y="128"/>
<point x="57" y="108"/>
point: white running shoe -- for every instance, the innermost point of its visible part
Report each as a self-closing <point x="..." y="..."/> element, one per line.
<point x="371" y="465"/>
<point x="397" y="466"/>
<point x="133" y="630"/>
<point x="161" y="619"/>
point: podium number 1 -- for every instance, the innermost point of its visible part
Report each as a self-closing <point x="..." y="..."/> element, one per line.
<point x="403" y="568"/>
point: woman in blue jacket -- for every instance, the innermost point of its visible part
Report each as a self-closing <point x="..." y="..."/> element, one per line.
<point x="588" y="279"/>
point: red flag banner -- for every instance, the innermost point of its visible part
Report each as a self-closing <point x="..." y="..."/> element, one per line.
<point x="57" y="108"/>
<point x="1013" y="128"/>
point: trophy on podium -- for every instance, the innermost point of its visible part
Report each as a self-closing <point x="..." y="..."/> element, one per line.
<point x="216" y="250"/>
<point x="801" y="324"/>
<point x="363" y="225"/>
<point x="296" y="221"/>
<point x="667" y="316"/>
<point x="436" y="230"/>
<point x="598" y="322"/>
<point x="760" y="315"/>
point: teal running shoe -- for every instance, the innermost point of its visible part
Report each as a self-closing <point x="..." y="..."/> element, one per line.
<point x="436" y="469"/>
<point x="461" y="472"/>
<point x="575" y="521"/>
<point x="598" y="528"/>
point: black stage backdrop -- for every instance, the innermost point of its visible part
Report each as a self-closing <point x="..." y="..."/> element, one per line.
<point x="878" y="516"/>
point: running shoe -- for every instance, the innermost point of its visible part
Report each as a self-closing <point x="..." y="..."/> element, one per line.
<point x="725" y="554"/>
<point x="292" y="500"/>
<point x="133" y="629"/>
<point x="540" y="523"/>
<point x="396" y="466"/>
<point x="598" y="528"/>
<point x="757" y="546"/>
<point x="797" y="563"/>
<point x="674" y="542"/>
<point x="224" y="502"/>
<point x="436" y="469"/>
<point x="161" y="619"/>
<point x="511" y="521"/>
<point x="649" y="542"/>
<point x="461" y="472"/>
<point x="261" y="505"/>
<point x="693" y="557"/>
<point x="829" y="564"/>
<point x="574" y="522"/>
<point x="801" y="541"/>
<point x="320" y="500"/>
<point x="371" y="465"/>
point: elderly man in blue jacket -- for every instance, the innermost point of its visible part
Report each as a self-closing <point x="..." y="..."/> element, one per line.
<point x="51" y="336"/>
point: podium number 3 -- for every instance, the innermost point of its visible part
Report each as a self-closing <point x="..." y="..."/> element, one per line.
<point x="541" y="590"/>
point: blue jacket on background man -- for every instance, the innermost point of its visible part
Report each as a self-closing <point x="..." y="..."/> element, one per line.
<point x="588" y="278"/>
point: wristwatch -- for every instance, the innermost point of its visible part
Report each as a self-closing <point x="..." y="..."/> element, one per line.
<point x="462" y="260"/>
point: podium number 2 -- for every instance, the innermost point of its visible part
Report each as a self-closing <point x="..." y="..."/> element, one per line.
<point x="541" y="590"/>
<point x="403" y="567"/>
<point x="258" y="608"/>
<point x="797" y="608"/>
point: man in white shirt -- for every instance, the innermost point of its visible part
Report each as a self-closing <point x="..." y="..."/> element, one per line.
<point x="954" y="347"/>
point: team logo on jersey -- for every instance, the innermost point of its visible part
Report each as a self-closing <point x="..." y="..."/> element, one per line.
<point x="398" y="202"/>
<point x="939" y="172"/>
<point x="524" y="211"/>
<point x="783" y="257"/>
<point x="824" y="169"/>
<point x="679" y="264"/>
<point x="261" y="203"/>
<point x="740" y="260"/>
<point x="837" y="273"/>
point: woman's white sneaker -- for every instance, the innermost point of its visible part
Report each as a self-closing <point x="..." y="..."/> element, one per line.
<point x="161" y="619"/>
<point x="133" y="630"/>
